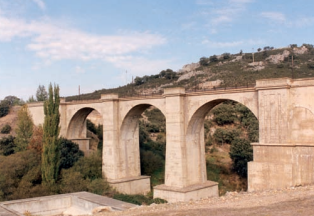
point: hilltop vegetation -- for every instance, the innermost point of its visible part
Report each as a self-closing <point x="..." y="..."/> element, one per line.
<point x="229" y="69"/>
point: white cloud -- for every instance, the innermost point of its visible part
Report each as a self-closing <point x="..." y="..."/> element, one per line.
<point x="222" y="44"/>
<point x="221" y="19"/>
<point x="40" y="4"/>
<point x="139" y="66"/>
<point x="55" y="42"/>
<point x="219" y="16"/>
<point x="301" y="22"/>
<point x="216" y="44"/>
<point x="297" y="22"/>
<point x="274" y="16"/>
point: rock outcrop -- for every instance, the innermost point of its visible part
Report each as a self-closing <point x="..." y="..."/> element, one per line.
<point x="275" y="59"/>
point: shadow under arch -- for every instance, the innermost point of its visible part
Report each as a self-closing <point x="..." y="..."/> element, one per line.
<point x="195" y="141"/>
<point x="77" y="129"/>
<point x="129" y="141"/>
<point x="77" y="125"/>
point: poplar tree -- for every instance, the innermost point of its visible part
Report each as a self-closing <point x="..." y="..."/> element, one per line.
<point x="51" y="153"/>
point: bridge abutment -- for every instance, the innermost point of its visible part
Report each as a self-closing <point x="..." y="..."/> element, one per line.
<point x="284" y="156"/>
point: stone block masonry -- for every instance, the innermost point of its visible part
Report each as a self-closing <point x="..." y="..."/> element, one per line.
<point x="282" y="157"/>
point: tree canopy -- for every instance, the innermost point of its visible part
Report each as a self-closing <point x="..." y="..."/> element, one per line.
<point x="41" y="93"/>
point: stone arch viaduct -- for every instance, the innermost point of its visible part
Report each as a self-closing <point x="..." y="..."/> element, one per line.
<point x="284" y="155"/>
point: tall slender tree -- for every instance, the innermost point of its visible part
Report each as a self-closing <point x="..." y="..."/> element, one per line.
<point x="51" y="153"/>
<point x="24" y="129"/>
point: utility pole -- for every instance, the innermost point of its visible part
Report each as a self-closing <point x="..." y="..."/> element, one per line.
<point x="79" y="91"/>
<point x="292" y="67"/>
<point x="132" y="86"/>
<point x="253" y="54"/>
<point x="194" y="81"/>
<point x="126" y="77"/>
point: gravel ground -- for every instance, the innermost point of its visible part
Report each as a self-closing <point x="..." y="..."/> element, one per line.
<point x="289" y="201"/>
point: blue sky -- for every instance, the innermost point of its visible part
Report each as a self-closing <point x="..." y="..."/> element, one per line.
<point x="92" y="43"/>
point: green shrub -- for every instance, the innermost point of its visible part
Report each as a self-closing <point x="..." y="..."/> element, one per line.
<point x="99" y="186"/>
<point x="309" y="46"/>
<point x="72" y="181"/>
<point x="248" y="121"/>
<point x="213" y="150"/>
<point x="152" y="128"/>
<point x="209" y="142"/>
<point x="213" y="58"/>
<point x="253" y="132"/>
<point x="241" y="152"/>
<point x="150" y="162"/>
<point x="85" y="175"/>
<point x="222" y="136"/>
<point x="100" y="131"/>
<point x="90" y="167"/>
<point x="7" y="145"/>
<point x="226" y="56"/>
<point x="4" y="108"/>
<point x="19" y="173"/>
<point x="204" y="61"/>
<point x="310" y="65"/>
<point x="224" y="114"/>
<point x="91" y="126"/>
<point x="24" y="130"/>
<point x="69" y="153"/>
<point x="6" y="129"/>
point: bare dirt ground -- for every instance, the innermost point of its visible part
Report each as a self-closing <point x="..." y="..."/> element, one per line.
<point x="10" y="119"/>
<point x="288" y="202"/>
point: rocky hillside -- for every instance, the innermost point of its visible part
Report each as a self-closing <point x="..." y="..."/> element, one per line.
<point x="225" y="70"/>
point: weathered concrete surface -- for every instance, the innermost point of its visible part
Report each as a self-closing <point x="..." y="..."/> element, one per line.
<point x="283" y="156"/>
<point x="80" y="203"/>
<point x="135" y="185"/>
<point x="192" y="192"/>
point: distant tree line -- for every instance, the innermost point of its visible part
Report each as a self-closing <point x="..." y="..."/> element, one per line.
<point x="166" y="74"/>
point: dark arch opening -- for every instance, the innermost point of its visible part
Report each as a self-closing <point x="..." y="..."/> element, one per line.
<point x="143" y="140"/>
<point x="88" y="140"/>
<point x="215" y="130"/>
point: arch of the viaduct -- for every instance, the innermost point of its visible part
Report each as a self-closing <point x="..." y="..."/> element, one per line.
<point x="129" y="139"/>
<point x="282" y="158"/>
<point x="77" y="125"/>
<point x="195" y="140"/>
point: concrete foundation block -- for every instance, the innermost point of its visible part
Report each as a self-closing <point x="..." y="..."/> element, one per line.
<point x="193" y="192"/>
<point x="265" y="175"/>
<point x="133" y="185"/>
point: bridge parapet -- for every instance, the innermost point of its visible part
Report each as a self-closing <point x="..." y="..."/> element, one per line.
<point x="109" y="96"/>
<point x="278" y="83"/>
<point x="174" y="91"/>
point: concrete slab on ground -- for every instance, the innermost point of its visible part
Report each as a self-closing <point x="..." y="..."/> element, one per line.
<point x="80" y="203"/>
